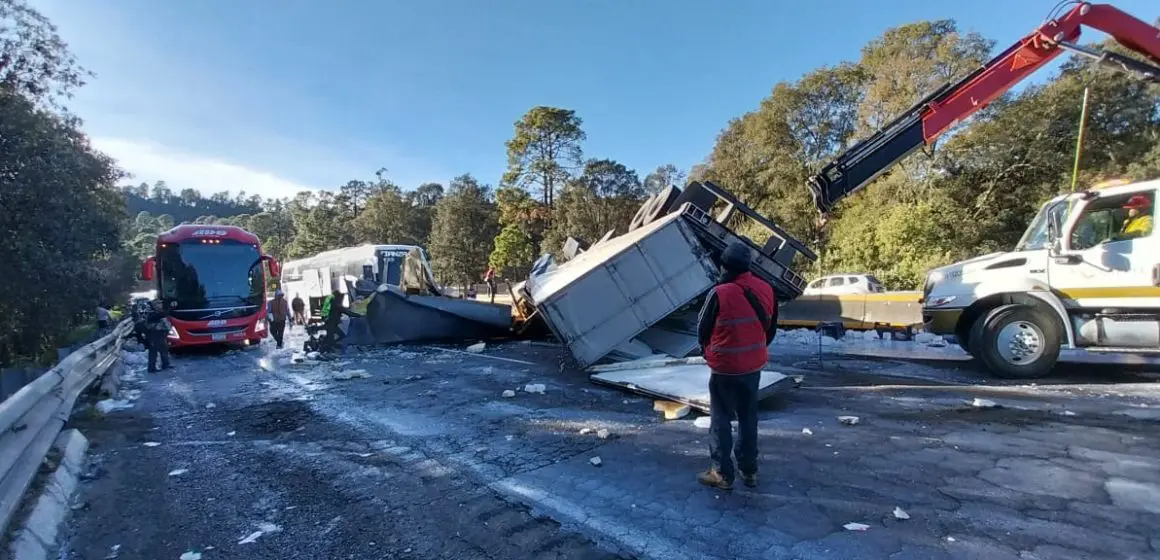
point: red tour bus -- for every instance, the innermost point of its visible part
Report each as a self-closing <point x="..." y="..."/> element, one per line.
<point x="211" y="280"/>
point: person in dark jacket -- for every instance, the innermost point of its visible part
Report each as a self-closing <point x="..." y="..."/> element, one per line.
<point x="299" y="308"/>
<point x="279" y="314"/>
<point x="156" y="331"/>
<point x="736" y="326"/>
<point x="334" y="309"/>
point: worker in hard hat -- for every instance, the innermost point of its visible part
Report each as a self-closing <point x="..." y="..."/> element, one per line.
<point x="1139" y="220"/>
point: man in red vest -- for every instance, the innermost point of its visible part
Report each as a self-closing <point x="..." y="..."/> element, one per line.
<point x="736" y="326"/>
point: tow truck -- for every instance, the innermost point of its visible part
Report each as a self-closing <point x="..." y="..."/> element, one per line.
<point x="1073" y="281"/>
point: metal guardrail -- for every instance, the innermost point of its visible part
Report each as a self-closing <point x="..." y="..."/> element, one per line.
<point x="31" y="418"/>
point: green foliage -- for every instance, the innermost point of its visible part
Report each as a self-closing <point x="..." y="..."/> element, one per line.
<point x="544" y="150"/>
<point x="664" y="176"/>
<point x="979" y="191"/>
<point x="62" y="254"/>
<point x="604" y="197"/>
<point x="464" y="225"/>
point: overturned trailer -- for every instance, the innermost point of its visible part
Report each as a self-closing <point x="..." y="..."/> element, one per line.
<point x="638" y="292"/>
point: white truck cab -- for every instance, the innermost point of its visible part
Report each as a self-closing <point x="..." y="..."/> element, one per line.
<point x="1085" y="275"/>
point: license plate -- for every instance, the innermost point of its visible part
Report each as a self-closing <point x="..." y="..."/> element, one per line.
<point x="218" y="337"/>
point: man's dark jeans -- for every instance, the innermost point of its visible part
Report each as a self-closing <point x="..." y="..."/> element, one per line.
<point x="278" y="330"/>
<point x="733" y="397"/>
<point x="158" y="347"/>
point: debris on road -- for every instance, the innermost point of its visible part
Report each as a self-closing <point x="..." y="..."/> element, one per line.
<point x="263" y="528"/>
<point x="807" y="431"/>
<point x="112" y="405"/>
<point x="190" y="555"/>
<point x="585" y="431"/>
<point x="603" y="433"/>
<point x="703" y="422"/>
<point x="856" y="526"/>
<point x="210" y="406"/>
<point x="537" y="388"/>
<point x="849" y="420"/>
<point x="596" y="462"/>
<point x="900" y="513"/>
<point x="151" y="444"/>
<point x="686" y="382"/>
<point x="477" y="347"/>
<point x="672" y="410"/>
<point x="983" y="403"/>
<point x="346" y="374"/>
<point x="266" y="364"/>
<point x="178" y="472"/>
<point x="508" y="393"/>
<point x="115" y="551"/>
<point x="231" y="434"/>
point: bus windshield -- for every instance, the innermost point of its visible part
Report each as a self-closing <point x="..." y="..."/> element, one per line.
<point x="216" y="276"/>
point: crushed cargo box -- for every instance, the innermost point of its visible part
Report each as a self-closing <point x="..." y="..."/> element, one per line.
<point x="394" y="316"/>
<point x="609" y="294"/>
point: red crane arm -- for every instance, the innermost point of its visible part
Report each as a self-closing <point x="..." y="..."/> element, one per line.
<point x="933" y="115"/>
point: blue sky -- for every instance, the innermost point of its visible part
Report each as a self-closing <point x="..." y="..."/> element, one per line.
<point x="272" y="96"/>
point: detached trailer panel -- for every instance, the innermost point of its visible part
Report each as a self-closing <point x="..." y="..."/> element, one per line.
<point x="610" y="294"/>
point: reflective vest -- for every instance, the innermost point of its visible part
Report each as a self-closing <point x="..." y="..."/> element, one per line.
<point x="1140" y="226"/>
<point x="737" y="345"/>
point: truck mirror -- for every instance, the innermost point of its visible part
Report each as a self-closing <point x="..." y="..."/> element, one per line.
<point x="147" y="269"/>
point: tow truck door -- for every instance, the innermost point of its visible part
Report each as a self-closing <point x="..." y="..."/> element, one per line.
<point x="1098" y="271"/>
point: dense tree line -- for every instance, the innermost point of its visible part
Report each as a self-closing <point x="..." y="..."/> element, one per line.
<point x="62" y="217"/>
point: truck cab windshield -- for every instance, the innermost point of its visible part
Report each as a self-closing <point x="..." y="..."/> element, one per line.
<point x="1036" y="238"/>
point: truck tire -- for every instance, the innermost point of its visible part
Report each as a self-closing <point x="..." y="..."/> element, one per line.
<point x="1016" y="341"/>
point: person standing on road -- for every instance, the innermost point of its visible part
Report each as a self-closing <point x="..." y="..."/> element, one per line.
<point x="736" y="326"/>
<point x="102" y="319"/>
<point x="279" y="313"/>
<point x="489" y="279"/>
<point x="156" y="330"/>
<point x="332" y="312"/>
<point x="299" y="308"/>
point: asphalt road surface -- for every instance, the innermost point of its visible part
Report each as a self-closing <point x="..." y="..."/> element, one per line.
<point x="245" y="455"/>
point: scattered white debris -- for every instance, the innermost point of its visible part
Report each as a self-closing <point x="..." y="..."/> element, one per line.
<point x="585" y="431"/>
<point x="178" y="472"/>
<point x="900" y="513"/>
<point x="298" y="357"/>
<point x="807" y="431"/>
<point x="703" y="422"/>
<point x="849" y="420"/>
<point x="950" y="539"/>
<point x="346" y="374"/>
<point x="231" y="434"/>
<point x="132" y="394"/>
<point x="1067" y="413"/>
<point x="856" y="526"/>
<point x="313" y="355"/>
<point x="114" y="551"/>
<point x="133" y="358"/>
<point x="939" y="342"/>
<point x="266" y="364"/>
<point x="190" y="555"/>
<point x="603" y="433"/>
<point x="210" y="406"/>
<point x="509" y="393"/>
<point x="537" y="388"/>
<point x="509" y="437"/>
<point x="983" y="403"/>
<point x="263" y="528"/>
<point x="151" y="444"/>
<point x="112" y="405"/>
<point x="596" y="462"/>
<point x="476" y="348"/>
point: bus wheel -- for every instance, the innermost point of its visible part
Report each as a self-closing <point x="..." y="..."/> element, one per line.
<point x="1016" y="341"/>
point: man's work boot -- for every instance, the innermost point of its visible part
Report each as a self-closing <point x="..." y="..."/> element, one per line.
<point x="713" y="479"/>
<point x="750" y="479"/>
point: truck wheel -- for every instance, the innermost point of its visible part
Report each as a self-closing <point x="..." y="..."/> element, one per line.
<point x="1016" y="341"/>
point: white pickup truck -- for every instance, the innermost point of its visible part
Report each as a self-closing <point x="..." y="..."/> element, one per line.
<point x="1085" y="275"/>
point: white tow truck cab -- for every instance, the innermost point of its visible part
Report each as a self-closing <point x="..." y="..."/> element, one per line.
<point x="1085" y="275"/>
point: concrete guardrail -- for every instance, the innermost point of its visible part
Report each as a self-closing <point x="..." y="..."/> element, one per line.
<point x="31" y="419"/>
<point x="855" y="311"/>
